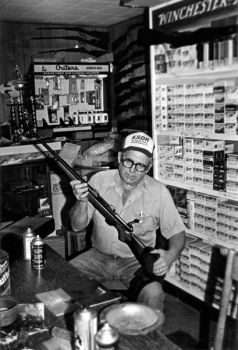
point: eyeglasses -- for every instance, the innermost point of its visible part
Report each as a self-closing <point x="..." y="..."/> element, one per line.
<point x="128" y="163"/>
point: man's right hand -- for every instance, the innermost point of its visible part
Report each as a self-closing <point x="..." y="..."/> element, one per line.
<point x="80" y="190"/>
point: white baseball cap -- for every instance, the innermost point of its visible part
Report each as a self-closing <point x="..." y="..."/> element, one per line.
<point x="139" y="141"/>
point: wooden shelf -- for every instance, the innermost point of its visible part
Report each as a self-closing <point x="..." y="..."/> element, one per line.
<point x="72" y="129"/>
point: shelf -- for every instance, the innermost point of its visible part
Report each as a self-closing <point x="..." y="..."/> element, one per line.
<point x="72" y="129"/>
<point x="196" y="294"/>
<point x="187" y="289"/>
<point x="213" y="241"/>
<point x="29" y="148"/>
<point x="184" y="287"/>
<point x="199" y="189"/>
<point x="224" y="72"/>
<point x="197" y="135"/>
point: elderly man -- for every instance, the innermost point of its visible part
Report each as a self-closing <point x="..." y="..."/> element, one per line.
<point x="135" y="196"/>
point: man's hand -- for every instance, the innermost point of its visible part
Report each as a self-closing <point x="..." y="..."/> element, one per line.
<point x="123" y="235"/>
<point x="80" y="190"/>
<point x="164" y="262"/>
<point x="79" y="211"/>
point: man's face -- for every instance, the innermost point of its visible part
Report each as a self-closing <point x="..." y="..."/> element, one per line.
<point x="130" y="164"/>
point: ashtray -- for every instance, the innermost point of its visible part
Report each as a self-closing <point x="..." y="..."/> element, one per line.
<point x="8" y="310"/>
<point x="133" y="318"/>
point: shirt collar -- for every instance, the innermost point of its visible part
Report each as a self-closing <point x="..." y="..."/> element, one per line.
<point x="118" y="187"/>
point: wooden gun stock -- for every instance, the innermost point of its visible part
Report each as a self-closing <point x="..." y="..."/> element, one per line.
<point x="142" y="254"/>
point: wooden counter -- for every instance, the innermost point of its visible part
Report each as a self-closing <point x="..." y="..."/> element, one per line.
<point x="58" y="273"/>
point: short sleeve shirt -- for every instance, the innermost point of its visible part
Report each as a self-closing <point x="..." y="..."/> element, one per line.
<point x="150" y="202"/>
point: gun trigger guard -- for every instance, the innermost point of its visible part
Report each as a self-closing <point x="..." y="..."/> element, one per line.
<point x="123" y="235"/>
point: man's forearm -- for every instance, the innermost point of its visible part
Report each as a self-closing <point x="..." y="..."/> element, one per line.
<point x="176" y="245"/>
<point x="79" y="215"/>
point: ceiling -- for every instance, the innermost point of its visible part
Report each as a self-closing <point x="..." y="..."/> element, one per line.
<point x="83" y="12"/>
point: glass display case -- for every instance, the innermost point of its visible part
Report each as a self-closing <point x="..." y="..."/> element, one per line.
<point x="25" y="190"/>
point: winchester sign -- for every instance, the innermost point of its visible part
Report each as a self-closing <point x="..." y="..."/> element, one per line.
<point x="189" y="10"/>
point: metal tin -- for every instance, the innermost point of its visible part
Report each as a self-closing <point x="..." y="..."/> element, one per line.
<point x="106" y="338"/>
<point x="5" y="287"/>
<point x="85" y="329"/>
<point x="28" y="236"/>
<point x="38" y="256"/>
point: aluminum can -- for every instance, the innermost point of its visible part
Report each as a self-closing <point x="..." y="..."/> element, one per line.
<point x="28" y="236"/>
<point x="5" y="287"/>
<point x="106" y="338"/>
<point x="85" y="329"/>
<point x="38" y="255"/>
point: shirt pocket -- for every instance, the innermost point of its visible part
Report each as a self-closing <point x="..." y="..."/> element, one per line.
<point x="146" y="229"/>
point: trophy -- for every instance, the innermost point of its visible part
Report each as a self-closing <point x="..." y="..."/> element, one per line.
<point x="22" y="109"/>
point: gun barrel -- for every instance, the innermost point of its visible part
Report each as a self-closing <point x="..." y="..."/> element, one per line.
<point x="94" y="196"/>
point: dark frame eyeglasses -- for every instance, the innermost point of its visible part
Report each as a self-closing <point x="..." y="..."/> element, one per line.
<point x="128" y="163"/>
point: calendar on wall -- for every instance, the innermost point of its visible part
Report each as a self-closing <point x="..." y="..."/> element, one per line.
<point x="71" y="94"/>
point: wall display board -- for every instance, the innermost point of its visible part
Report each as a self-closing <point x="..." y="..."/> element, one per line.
<point x="71" y="95"/>
<point x="194" y="89"/>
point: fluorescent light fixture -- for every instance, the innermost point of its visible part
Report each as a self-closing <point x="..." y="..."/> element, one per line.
<point x="138" y="3"/>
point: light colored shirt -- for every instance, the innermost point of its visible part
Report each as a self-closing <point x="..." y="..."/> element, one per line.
<point x="150" y="202"/>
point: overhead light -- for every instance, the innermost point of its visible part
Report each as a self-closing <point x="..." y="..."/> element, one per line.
<point x="138" y="3"/>
<point x="127" y="3"/>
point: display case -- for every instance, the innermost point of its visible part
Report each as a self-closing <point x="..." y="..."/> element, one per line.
<point x="194" y="90"/>
<point x="25" y="182"/>
<point x="71" y="96"/>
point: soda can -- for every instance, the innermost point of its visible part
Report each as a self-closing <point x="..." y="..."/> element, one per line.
<point x="38" y="255"/>
<point x="106" y="338"/>
<point x="85" y="329"/>
<point x="28" y="236"/>
<point x="5" y="287"/>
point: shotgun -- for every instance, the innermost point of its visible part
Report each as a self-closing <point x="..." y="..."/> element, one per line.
<point x="94" y="33"/>
<point x="97" y="43"/>
<point x="129" y="105"/>
<point x="128" y="95"/>
<point x="95" y="53"/>
<point x="125" y="230"/>
<point x="125" y="85"/>
<point x="123" y="53"/>
<point x="134" y="55"/>
<point x="131" y="68"/>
